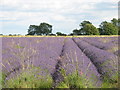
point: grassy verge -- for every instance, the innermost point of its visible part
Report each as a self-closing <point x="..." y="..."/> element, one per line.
<point x="32" y="80"/>
<point x="79" y="81"/>
<point x="75" y="80"/>
<point x="29" y="79"/>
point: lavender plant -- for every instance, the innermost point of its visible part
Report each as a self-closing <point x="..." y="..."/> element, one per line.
<point x="106" y="63"/>
<point x="74" y="61"/>
<point x="109" y="46"/>
<point x="63" y="62"/>
<point x="30" y="78"/>
<point x="25" y="53"/>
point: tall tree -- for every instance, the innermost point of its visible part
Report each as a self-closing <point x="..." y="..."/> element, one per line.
<point x="42" y="29"/>
<point x="107" y="28"/>
<point x="32" y="29"/>
<point x="114" y="21"/>
<point x="84" y="23"/>
<point x="88" y="29"/>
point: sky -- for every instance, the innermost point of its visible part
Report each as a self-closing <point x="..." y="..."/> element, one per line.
<point x="64" y="15"/>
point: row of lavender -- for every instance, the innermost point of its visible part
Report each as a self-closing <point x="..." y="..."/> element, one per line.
<point x="73" y="59"/>
<point x="105" y="62"/>
<point x="109" y="44"/>
<point x="79" y="54"/>
<point x="22" y="53"/>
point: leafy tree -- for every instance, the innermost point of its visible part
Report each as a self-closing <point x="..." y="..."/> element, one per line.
<point x="107" y="28"/>
<point x="101" y="29"/>
<point x="114" y="21"/>
<point x="76" y="32"/>
<point x="42" y="29"/>
<point x="32" y="29"/>
<point x="89" y="29"/>
<point x="60" y="34"/>
<point x="86" y="29"/>
<point x="84" y="23"/>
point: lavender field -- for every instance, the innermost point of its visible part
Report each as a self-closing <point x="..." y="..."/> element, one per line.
<point x="60" y="62"/>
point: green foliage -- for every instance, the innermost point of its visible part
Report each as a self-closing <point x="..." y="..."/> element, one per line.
<point x="63" y="85"/>
<point x="74" y="80"/>
<point x="2" y="79"/>
<point x="27" y="79"/>
<point x="32" y="29"/>
<point x="114" y="21"/>
<point x="107" y="28"/>
<point x="89" y="29"/>
<point x="109" y="83"/>
<point x="86" y="29"/>
<point x="83" y="27"/>
<point x="84" y="23"/>
<point x="30" y="79"/>
<point x="60" y="34"/>
<point x="42" y="29"/>
<point x="76" y="32"/>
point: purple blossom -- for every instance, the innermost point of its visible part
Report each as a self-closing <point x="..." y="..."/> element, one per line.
<point x="106" y="63"/>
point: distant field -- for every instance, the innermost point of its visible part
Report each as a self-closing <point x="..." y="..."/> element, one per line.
<point x="60" y="62"/>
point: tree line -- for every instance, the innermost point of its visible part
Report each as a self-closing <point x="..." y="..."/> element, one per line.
<point x="105" y="28"/>
<point x="86" y="28"/>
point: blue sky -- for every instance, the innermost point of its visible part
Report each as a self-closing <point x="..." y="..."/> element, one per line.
<point x="63" y="15"/>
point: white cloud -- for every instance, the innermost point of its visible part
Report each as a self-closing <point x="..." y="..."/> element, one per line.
<point x="59" y="13"/>
<point x="49" y="4"/>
